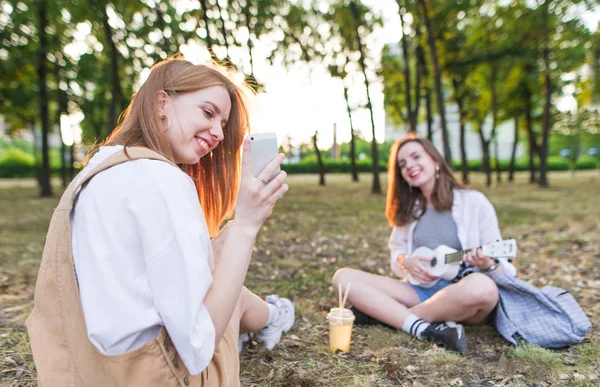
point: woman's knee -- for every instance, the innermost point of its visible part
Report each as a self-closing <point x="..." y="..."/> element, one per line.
<point x="343" y="276"/>
<point x="480" y="289"/>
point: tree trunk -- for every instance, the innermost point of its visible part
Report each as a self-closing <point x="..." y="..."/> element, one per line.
<point x="45" y="186"/>
<point x="494" y="134"/>
<point x="420" y="70"/>
<point x="412" y="127"/>
<point x="63" y="162"/>
<point x="463" y="148"/>
<point x="530" y="134"/>
<point x="429" y="114"/>
<point x="497" y="159"/>
<point x="547" y="123"/>
<point x="320" y="161"/>
<point x="486" y="163"/>
<point x="513" y="153"/>
<point x="116" y="95"/>
<point x="485" y="158"/>
<point x="62" y="108"/>
<point x="437" y="76"/>
<point x="352" y="138"/>
<point x="72" y="161"/>
<point x="36" y="152"/>
<point x="376" y="187"/>
<point x="417" y="102"/>
<point x="425" y="72"/>
<point x="543" y="151"/>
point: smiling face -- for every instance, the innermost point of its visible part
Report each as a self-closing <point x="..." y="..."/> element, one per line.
<point x="417" y="167"/>
<point x="196" y="121"/>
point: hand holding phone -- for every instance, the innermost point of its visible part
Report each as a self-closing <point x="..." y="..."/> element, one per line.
<point x="264" y="150"/>
<point x="256" y="199"/>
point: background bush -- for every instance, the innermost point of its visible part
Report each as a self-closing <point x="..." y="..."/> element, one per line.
<point x="17" y="160"/>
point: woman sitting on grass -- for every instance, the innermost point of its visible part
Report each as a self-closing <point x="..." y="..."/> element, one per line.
<point x="427" y="206"/>
<point x="139" y="295"/>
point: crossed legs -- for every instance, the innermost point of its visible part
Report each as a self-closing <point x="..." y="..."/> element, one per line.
<point x="471" y="300"/>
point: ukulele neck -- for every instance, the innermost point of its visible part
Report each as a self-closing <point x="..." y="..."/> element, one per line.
<point x="456" y="256"/>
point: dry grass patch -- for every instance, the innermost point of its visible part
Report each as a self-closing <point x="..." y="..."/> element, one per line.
<point x="315" y="231"/>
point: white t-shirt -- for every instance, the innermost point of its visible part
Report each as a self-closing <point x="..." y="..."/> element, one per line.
<point x="142" y="257"/>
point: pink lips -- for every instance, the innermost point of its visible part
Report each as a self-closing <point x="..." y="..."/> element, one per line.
<point x="414" y="177"/>
<point x="204" y="145"/>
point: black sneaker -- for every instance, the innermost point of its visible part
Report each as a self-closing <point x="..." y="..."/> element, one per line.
<point x="449" y="334"/>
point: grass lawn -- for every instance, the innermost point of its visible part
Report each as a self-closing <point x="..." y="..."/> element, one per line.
<point x="316" y="230"/>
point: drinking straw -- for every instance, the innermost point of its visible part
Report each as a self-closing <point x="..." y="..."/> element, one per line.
<point x="346" y="294"/>
<point x="340" y="295"/>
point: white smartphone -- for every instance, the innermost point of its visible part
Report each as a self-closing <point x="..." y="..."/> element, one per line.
<point x="264" y="150"/>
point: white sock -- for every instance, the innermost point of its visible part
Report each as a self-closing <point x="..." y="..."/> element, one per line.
<point x="414" y="326"/>
<point x="273" y="314"/>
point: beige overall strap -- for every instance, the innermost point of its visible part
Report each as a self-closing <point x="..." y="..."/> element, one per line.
<point x="134" y="153"/>
<point x="63" y="353"/>
<point x="120" y="157"/>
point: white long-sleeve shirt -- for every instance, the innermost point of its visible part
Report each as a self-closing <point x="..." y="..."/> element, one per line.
<point x="476" y="222"/>
<point x="143" y="257"/>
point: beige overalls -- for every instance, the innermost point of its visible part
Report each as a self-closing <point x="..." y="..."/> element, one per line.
<point x="62" y="352"/>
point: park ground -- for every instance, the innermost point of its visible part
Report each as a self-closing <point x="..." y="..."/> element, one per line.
<point x="316" y="230"/>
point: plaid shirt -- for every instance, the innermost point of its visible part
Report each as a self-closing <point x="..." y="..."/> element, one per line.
<point x="548" y="317"/>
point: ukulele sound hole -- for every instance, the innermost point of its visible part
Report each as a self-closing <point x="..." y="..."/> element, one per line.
<point x="433" y="262"/>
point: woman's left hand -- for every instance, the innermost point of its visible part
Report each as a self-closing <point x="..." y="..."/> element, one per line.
<point x="476" y="258"/>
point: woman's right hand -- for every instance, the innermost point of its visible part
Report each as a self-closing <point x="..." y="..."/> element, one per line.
<point x="412" y="265"/>
<point x="257" y="196"/>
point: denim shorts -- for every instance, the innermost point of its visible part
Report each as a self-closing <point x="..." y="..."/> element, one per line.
<point x="426" y="293"/>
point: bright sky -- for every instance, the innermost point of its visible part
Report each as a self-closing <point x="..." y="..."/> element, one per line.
<point x="299" y="100"/>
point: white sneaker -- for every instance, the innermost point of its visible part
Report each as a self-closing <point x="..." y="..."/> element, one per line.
<point x="271" y="334"/>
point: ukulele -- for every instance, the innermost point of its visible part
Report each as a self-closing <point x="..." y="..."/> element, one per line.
<point x="445" y="261"/>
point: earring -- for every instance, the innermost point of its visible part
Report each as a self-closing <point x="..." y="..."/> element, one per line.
<point x="437" y="171"/>
<point x="410" y="188"/>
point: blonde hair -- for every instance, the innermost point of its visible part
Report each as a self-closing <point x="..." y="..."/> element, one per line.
<point x="217" y="175"/>
<point x="402" y="201"/>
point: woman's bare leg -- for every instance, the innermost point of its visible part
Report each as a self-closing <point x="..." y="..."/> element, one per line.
<point x="254" y="312"/>
<point x="386" y="299"/>
<point x="471" y="300"/>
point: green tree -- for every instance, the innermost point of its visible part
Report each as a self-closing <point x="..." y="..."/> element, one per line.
<point x="561" y="50"/>
<point x="437" y="77"/>
<point x="349" y="18"/>
<point x="320" y="160"/>
<point x="339" y="71"/>
<point x="18" y="67"/>
<point x="44" y="177"/>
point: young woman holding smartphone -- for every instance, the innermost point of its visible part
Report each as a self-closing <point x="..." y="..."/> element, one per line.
<point x="132" y="291"/>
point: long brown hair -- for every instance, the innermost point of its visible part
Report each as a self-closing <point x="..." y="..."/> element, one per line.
<point x="217" y="175"/>
<point x="405" y="204"/>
